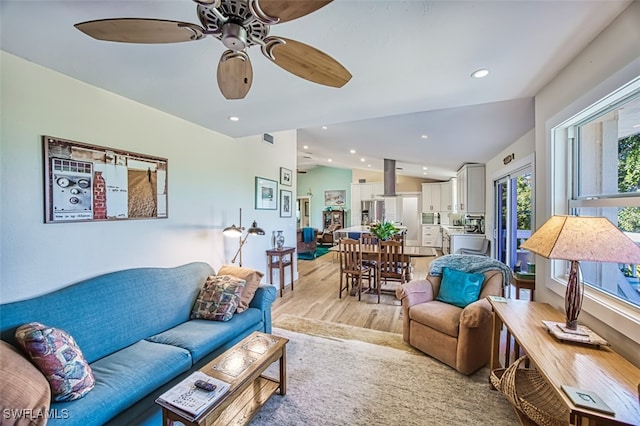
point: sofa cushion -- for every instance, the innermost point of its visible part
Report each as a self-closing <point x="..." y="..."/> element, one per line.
<point x="59" y="358"/>
<point x="122" y="379"/>
<point x="218" y="298"/>
<point x="440" y="316"/>
<point x="24" y="388"/>
<point x="252" y="278"/>
<point x="200" y="337"/>
<point x="459" y="288"/>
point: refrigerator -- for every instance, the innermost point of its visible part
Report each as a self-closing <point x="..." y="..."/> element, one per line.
<point x="372" y="211"/>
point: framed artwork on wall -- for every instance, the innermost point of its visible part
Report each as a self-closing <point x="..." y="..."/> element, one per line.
<point x="335" y="197"/>
<point x="286" y="207"/>
<point x="266" y="194"/>
<point x="286" y="176"/>
<point x="85" y="183"/>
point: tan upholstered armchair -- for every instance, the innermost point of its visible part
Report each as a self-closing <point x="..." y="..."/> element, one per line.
<point x="459" y="337"/>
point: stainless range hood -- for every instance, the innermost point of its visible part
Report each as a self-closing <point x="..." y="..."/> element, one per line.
<point x="389" y="178"/>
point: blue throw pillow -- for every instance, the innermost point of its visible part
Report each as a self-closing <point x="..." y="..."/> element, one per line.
<point x="459" y="288"/>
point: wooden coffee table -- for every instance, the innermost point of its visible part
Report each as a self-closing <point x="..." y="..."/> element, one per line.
<point x="242" y="367"/>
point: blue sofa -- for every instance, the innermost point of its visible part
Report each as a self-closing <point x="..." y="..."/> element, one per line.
<point x="133" y="328"/>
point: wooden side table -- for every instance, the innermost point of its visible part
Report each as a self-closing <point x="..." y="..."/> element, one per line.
<point x="280" y="259"/>
<point x="520" y="283"/>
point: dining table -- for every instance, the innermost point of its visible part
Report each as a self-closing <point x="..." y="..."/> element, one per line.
<point x="370" y="252"/>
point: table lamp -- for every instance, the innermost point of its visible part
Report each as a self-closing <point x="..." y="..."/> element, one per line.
<point x="576" y="238"/>
<point x="236" y="231"/>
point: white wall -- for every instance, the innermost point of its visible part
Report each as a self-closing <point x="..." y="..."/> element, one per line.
<point x="210" y="177"/>
<point x="610" y="61"/>
<point x="523" y="151"/>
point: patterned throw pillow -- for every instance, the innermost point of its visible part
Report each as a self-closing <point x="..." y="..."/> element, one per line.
<point x="58" y="356"/>
<point x="218" y="298"/>
<point x="252" y="278"/>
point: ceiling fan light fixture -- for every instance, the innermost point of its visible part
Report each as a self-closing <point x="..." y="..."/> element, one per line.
<point x="234" y="36"/>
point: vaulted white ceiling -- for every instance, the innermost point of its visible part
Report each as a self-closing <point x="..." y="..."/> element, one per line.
<point x="411" y="63"/>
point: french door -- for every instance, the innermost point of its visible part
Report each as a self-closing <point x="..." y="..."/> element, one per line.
<point x="513" y="198"/>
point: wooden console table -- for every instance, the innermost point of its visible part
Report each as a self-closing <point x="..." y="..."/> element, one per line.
<point x="600" y="370"/>
<point x="280" y="259"/>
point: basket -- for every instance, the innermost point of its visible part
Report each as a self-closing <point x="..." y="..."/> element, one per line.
<point x="527" y="390"/>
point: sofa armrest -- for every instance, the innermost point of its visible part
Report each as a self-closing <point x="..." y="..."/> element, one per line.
<point x="476" y="314"/>
<point x="264" y="297"/>
<point x="415" y="292"/>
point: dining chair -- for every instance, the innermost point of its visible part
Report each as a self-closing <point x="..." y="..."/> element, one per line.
<point x="392" y="265"/>
<point x="369" y="244"/>
<point x="351" y="267"/>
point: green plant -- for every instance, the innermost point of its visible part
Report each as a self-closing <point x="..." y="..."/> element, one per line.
<point x="383" y="231"/>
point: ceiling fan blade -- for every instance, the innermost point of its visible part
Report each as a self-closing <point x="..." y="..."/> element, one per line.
<point x="235" y="74"/>
<point x="306" y="62"/>
<point x="287" y="10"/>
<point x="138" y="30"/>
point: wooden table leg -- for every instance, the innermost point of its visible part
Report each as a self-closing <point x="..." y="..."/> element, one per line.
<point x="283" y="372"/>
<point x="291" y="266"/>
<point x="495" y="342"/>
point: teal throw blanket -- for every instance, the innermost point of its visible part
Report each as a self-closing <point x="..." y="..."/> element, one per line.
<point x="307" y="234"/>
<point x="469" y="263"/>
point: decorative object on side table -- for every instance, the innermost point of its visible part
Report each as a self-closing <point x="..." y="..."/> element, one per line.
<point x="576" y="238"/>
<point x="236" y="231"/>
<point x="279" y="240"/>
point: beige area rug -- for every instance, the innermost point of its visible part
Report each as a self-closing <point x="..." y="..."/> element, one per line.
<point x="332" y="381"/>
<point x="340" y="331"/>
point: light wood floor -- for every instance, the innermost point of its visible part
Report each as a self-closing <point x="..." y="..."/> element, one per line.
<point x="315" y="296"/>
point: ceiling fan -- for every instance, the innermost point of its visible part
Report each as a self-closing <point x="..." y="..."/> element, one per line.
<point x="239" y="24"/>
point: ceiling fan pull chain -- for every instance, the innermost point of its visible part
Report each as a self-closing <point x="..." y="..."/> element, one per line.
<point x="256" y="11"/>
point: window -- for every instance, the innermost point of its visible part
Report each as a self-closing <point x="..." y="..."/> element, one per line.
<point x="597" y="158"/>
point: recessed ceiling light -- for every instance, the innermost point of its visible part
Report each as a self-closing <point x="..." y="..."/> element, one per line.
<point x="636" y="126"/>
<point x="234" y="118"/>
<point x="329" y="160"/>
<point x="324" y="127"/>
<point x="480" y="73"/>
<point x="353" y="151"/>
<point x="368" y="165"/>
<point x="424" y="167"/>
<point x="363" y="160"/>
<point x="424" y="136"/>
<point x="424" y="173"/>
<point x="305" y="146"/>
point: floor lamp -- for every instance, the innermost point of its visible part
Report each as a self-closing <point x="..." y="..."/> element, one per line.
<point x="236" y="231"/>
<point x="576" y="238"/>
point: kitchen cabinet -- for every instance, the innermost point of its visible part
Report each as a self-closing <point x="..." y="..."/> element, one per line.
<point x="391" y="209"/>
<point x="448" y="195"/>
<point x="431" y="236"/>
<point x="470" y="183"/>
<point x="430" y="197"/>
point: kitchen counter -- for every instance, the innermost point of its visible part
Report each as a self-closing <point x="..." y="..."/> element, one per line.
<point x="454" y="238"/>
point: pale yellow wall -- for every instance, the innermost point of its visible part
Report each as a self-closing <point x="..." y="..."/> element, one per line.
<point x="403" y="183"/>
